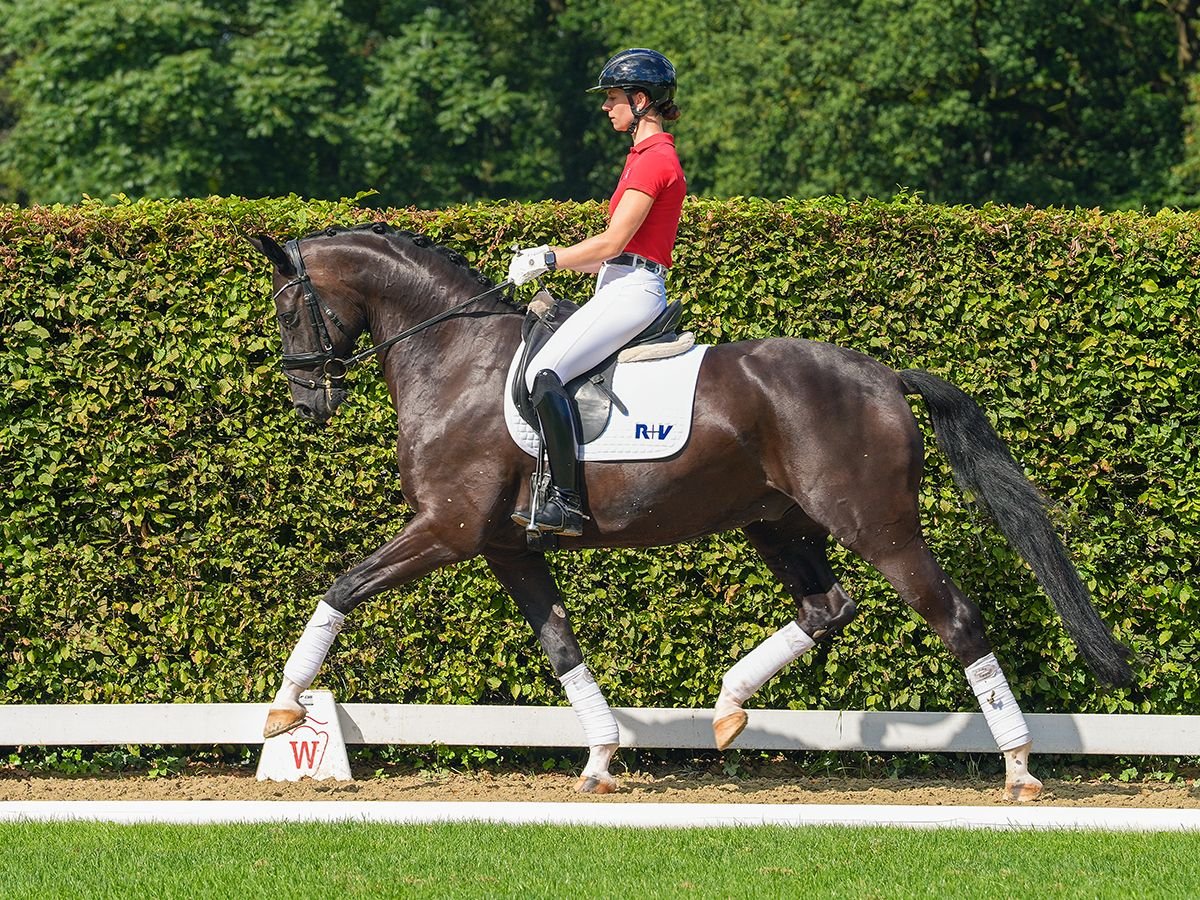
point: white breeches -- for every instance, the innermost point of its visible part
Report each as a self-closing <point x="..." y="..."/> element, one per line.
<point x="626" y="301"/>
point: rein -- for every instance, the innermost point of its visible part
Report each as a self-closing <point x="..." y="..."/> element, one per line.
<point x="333" y="369"/>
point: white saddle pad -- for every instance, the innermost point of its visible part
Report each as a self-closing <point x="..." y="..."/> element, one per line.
<point x="659" y="394"/>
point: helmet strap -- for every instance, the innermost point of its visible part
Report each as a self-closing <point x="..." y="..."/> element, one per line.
<point x="637" y="114"/>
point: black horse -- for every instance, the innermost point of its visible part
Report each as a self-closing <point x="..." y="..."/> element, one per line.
<point x="754" y="461"/>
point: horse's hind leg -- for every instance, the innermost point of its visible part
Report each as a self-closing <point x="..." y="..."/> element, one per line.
<point x="923" y="584"/>
<point x="868" y="502"/>
<point x="528" y="579"/>
<point x="794" y="549"/>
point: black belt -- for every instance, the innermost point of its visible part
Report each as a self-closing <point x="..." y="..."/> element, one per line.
<point x="639" y="262"/>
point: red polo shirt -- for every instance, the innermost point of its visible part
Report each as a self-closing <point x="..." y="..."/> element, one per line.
<point x="653" y="168"/>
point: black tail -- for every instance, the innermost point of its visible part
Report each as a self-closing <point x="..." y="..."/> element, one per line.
<point x="984" y="466"/>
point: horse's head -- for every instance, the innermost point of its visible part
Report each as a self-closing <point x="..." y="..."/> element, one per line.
<point x="319" y="326"/>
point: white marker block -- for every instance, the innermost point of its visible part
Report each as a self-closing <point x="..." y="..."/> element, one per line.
<point x="313" y="749"/>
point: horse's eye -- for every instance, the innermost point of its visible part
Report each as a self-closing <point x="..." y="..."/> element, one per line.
<point x="288" y="319"/>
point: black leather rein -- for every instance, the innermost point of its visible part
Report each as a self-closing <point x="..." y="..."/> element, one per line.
<point x="333" y="369"/>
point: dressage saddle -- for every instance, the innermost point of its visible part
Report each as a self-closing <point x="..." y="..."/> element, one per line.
<point x="592" y="391"/>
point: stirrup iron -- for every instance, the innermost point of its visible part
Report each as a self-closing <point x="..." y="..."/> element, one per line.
<point x="560" y="512"/>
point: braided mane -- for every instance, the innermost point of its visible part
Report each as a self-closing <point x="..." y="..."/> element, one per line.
<point x="418" y="240"/>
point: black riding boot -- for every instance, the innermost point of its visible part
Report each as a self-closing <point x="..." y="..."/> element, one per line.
<point x="562" y="512"/>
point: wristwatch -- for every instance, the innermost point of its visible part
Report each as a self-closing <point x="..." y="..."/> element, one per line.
<point x="551" y="261"/>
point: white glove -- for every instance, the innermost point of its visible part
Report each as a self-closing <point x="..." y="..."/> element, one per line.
<point x="528" y="264"/>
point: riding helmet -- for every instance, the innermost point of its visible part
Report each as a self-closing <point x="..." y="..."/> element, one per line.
<point x="647" y="70"/>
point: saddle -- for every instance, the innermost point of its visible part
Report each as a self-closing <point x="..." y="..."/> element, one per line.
<point x="592" y="392"/>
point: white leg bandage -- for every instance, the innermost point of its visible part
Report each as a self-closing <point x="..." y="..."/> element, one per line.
<point x="996" y="699"/>
<point x="313" y="645"/>
<point x="599" y="725"/>
<point x="754" y="669"/>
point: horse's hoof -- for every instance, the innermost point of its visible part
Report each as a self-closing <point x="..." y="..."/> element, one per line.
<point x="1023" y="791"/>
<point x="727" y="728"/>
<point x="281" y="720"/>
<point x="596" y="784"/>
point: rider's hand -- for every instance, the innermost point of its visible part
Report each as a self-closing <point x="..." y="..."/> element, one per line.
<point x="528" y="264"/>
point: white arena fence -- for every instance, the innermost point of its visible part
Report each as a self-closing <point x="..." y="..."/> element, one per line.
<point x="530" y="726"/>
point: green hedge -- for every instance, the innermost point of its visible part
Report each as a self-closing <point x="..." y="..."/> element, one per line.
<point x="168" y="524"/>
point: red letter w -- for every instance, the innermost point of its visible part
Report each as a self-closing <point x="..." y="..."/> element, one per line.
<point x="305" y="751"/>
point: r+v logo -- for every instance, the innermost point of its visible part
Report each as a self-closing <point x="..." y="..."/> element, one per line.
<point x="651" y="432"/>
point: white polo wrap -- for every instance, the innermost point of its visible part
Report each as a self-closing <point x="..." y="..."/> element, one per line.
<point x="314" y="644"/>
<point x="754" y="669"/>
<point x="599" y="725"/>
<point x="996" y="699"/>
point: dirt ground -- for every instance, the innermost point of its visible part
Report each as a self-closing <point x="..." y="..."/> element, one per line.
<point x="556" y="787"/>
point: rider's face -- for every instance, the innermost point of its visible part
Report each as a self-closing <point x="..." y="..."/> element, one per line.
<point x="616" y="104"/>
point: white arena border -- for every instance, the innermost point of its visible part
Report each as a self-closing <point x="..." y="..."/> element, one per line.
<point x="546" y="726"/>
<point x="525" y="726"/>
<point x="603" y="813"/>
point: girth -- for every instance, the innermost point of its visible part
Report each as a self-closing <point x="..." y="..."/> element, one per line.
<point x="591" y="392"/>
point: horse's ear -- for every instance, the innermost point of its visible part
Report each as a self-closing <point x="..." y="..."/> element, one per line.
<point x="266" y="245"/>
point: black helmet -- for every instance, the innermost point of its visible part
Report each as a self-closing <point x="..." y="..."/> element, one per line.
<point x="646" y="70"/>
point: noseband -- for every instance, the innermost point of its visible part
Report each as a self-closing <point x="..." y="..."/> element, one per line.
<point x="334" y="369"/>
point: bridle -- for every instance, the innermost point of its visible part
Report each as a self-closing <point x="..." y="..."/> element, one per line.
<point x="323" y="358"/>
<point x="334" y="369"/>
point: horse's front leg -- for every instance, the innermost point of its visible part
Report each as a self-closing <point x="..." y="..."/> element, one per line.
<point x="527" y="578"/>
<point x="416" y="551"/>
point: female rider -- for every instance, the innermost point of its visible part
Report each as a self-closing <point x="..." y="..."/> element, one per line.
<point x="630" y="257"/>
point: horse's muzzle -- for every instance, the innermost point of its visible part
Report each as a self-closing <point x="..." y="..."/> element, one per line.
<point x="312" y="416"/>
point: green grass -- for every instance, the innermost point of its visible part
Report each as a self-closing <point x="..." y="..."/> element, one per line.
<point x="96" y="860"/>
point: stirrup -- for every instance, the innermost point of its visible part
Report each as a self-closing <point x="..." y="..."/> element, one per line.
<point x="561" y="513"/>
<point x="570" y="512"/>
